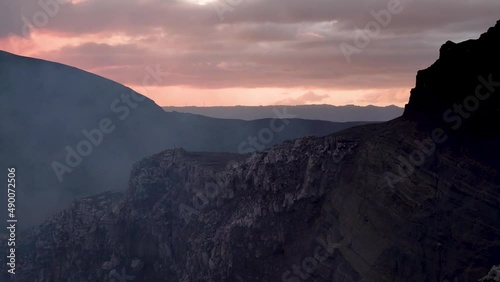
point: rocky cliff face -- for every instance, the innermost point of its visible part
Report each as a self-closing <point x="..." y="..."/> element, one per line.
<point x="318" y="208"/>
<point x="406" y="200"/>
<point x="460" y="90"/>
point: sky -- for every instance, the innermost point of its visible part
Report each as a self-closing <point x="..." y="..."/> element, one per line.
<point x="247" y="52"/>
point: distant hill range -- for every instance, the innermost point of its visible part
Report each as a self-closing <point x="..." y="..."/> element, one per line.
<point x="314" y="112"/>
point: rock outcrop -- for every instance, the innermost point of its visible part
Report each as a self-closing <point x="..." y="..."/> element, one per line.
<point x="461" y="89"/>
<point x="493" y="275"/>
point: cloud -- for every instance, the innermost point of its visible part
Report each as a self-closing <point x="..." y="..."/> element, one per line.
<point x="183" y="17"/>
<point x="384" y="97"/>
<point x="309" y="97"/>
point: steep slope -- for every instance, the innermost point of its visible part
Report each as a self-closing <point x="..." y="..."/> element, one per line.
<point x="70" y="133"/>
<point x="384" y="202"/>
<point x="191" y="217"/>
<point x="460" y="90"/>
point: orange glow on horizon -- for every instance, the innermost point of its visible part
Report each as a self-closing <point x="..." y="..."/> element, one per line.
<point x="41" y="44"/>
<point x="180" y="96"/>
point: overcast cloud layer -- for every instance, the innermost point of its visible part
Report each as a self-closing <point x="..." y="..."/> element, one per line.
<point x="282" y="50"/>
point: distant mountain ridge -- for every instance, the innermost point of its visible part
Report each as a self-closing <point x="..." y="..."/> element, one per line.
<point x="314" y="112"/>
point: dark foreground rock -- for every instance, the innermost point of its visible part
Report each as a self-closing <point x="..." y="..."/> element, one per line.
<point x="316" y="208"/>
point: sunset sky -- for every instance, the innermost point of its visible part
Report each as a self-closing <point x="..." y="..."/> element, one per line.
<point x="246" y="52"/>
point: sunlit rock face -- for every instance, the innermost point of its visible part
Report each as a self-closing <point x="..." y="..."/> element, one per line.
<point x="383" y="202"/>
